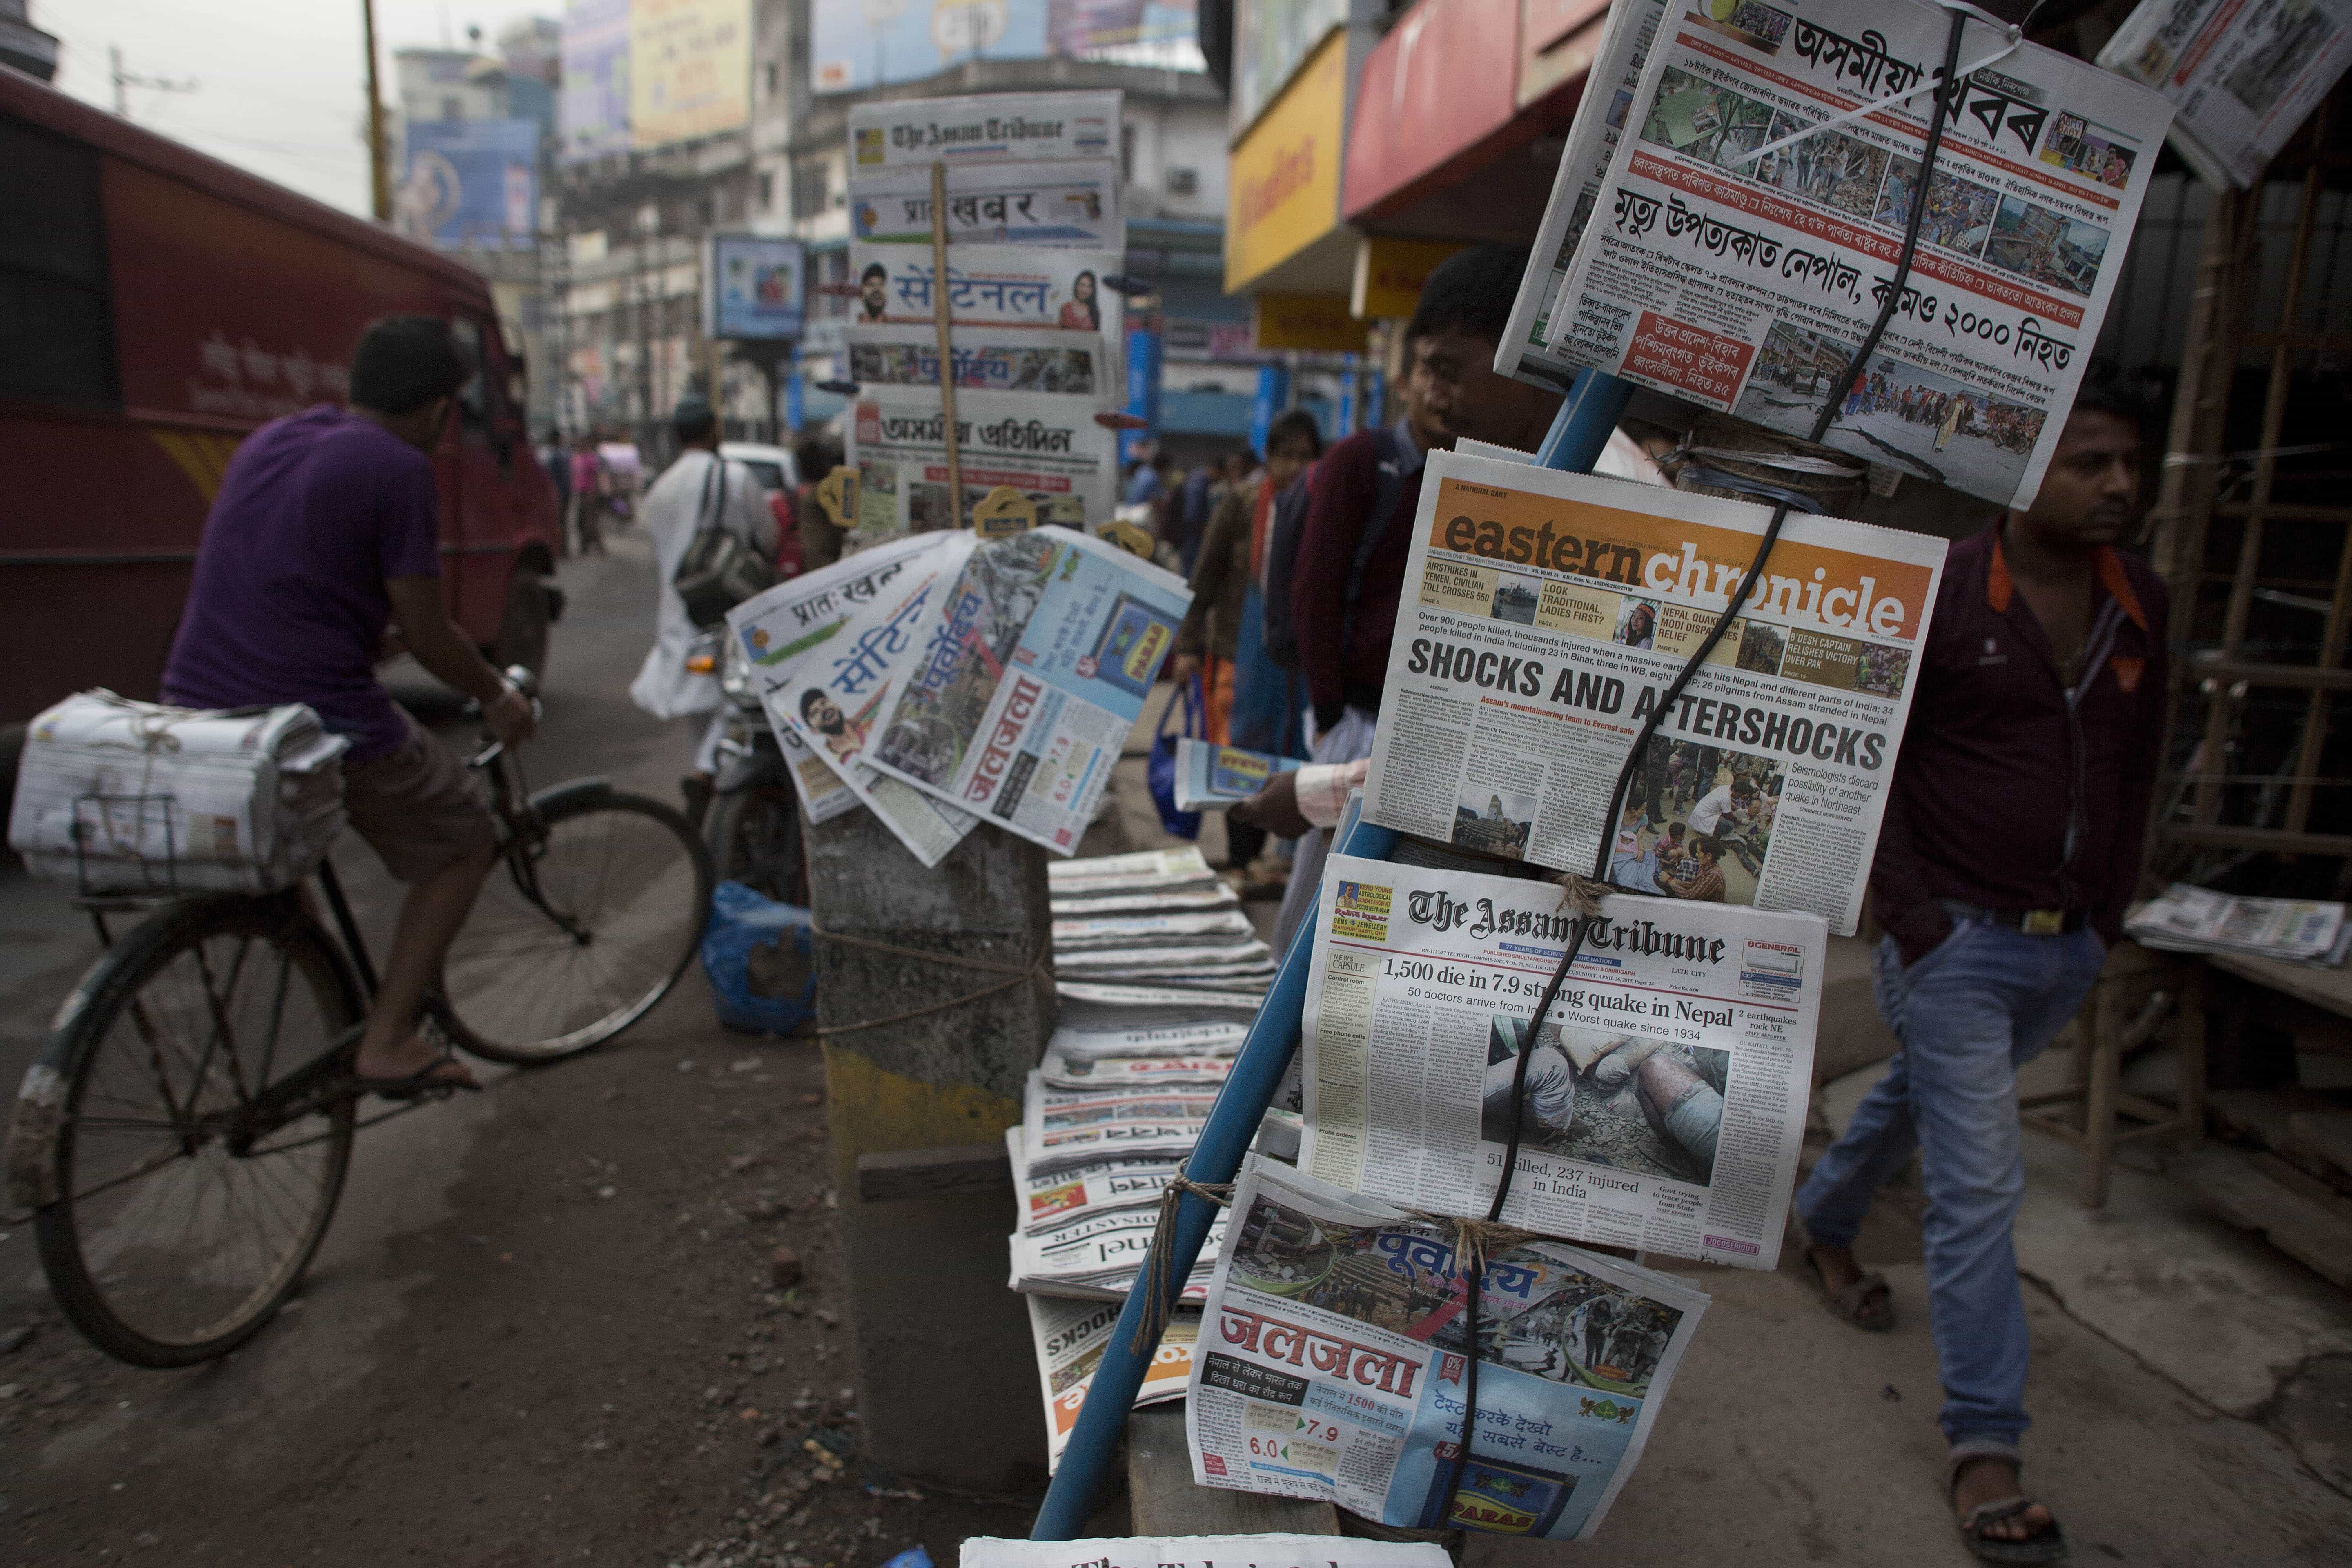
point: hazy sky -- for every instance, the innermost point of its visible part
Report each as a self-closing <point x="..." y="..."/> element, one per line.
<point x="283" y="86"/>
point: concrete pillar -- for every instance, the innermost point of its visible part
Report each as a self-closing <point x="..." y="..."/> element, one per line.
<point x="947" y="1381"/>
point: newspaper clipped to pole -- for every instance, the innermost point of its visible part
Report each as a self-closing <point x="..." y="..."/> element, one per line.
<point x="1072" y="206"/>
<point x="2242" y="77"/>
<point x="989" y="286"/>
<point x="780" y="629"/>
<point x="831" y="702"/>
<point x="1069" y="1337"/>
<point x="1037" y="652"/>
<point x="1332" y="1357"/>
<point x="1071" y="365"/>
<point x="1542" y="616"/>
<point x="1740" y="269"/>
<point x="1049" y="448"/>
<point x="992" y="128"/>
<point x="1664" y="1105"/>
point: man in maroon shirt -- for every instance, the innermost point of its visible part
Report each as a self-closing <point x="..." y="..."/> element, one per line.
<point x="2011" y="845"/>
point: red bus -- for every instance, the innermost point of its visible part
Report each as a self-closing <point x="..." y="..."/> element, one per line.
<point x="155" y="305"/>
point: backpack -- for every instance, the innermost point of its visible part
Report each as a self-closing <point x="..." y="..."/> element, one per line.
<point x="720" y="569"/>
<point x="1283" y="533"/>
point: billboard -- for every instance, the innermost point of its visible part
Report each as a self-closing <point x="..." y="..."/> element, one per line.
<point x="592" y="116"/>
<point x="689" y="70"/>
<point x="860" y="44"/>
<point x="469" y="183"/>
<point x="751" y="287"/>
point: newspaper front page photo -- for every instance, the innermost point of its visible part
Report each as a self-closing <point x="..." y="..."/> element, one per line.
<point x="1543" y="614"/>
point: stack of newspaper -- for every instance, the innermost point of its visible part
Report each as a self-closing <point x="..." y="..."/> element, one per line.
<point x="2195" y="919"/>
<point x="119" y="796"/>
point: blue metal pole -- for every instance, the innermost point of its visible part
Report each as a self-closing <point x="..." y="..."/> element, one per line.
<point x="1582" y="427"/>
<point x="1224" y="1139"/>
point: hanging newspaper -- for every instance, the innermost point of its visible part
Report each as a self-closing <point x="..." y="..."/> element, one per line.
<point x="995" y="128"/>
<point x="1210" y="777"/>
<point x="779" y="629"/>
<point x="1007" y="359"/>
<point x="1542" y="617"/>
<point x="2242" y="77"/>
<point x="989" y="286"/>
<point x="1048" y="448"/>
<point x="1036" y="661"/>
<point x="1069" y="1337"/>
<point x="1331" y="1364"/>
<point x="831" y="702"/>
<point x="1592" y="136"/>
<point x="1664" y="1102"/>
<point x="1744" y="284"/>
<point x="1069" y="206"/>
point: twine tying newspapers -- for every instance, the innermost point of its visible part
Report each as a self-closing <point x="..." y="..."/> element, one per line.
<point x="1579" y="889"/>
<point x="1019" y="972"/>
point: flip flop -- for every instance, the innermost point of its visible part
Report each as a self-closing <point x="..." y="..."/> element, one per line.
<point x="417" y="1084"/>
<point x="1867" y="1303"/>
<point x="2047" y="1544"/>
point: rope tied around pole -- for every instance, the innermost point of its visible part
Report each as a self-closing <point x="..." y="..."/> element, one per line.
<point x="1159" y="1291"/>
<point x="1038" y="966"/>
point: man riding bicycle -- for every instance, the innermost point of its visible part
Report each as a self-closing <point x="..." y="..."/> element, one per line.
<point x="325" y="532"/>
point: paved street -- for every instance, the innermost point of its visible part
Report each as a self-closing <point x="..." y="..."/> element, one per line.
<point x="541" y="1330"/>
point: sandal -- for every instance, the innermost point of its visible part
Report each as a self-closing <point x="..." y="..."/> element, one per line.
<point x="1867" y="1303"/>
<point x="418" y="1084"/>
<point x="2047" y="1544"/>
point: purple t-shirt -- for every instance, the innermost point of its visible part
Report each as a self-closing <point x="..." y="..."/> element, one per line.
<point x="317" y="510"/>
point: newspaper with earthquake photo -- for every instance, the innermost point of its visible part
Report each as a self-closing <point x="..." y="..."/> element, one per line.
<point x="1739" y="271"/>
<point x="1036" y="656"/>
<point x="1047" y="447"/>
<point x="2242" y="77"/>
<point x="1210" y="777"/>
<point x="1544" y="613"/>
<point x="1664" y="1105"/>
<point x="1070" y="366"/>
<point x="831" y="702"/>
<point x="1069" y="1337"/>
<point x="1615" y="72"/>
<point x="1063" y="206"/>
<point x="779" y="629"/>
<point x="1332" y="1354"/>
<point x="994" y="128"/>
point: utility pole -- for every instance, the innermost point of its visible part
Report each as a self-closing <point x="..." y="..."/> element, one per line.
<point x="124" y="80"/>
<point x="379" y="166"/>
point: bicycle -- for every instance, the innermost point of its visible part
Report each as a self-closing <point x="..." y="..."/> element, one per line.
<point x="182" y="1151"/>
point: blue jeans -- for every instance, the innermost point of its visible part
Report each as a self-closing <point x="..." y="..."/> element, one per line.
<point x="1969" y="1015"/>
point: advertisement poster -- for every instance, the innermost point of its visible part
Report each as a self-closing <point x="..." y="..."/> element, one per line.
<point x="751" y="287"/>
<point x="469" y="183"/>
<point x="689" y="70"/>
<point x="592" y="110"/>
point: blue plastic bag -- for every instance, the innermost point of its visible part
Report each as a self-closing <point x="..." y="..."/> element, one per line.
<point x="1159" y="772"/>
<point x="757" y="953"/>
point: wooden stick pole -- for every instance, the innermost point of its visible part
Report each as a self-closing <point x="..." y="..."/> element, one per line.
<point x="939" y="319"/>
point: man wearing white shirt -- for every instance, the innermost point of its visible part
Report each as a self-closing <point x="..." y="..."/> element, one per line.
<point x="1707" y="816"/>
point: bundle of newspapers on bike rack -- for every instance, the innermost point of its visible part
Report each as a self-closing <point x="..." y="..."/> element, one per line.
<point x="116" y="797"/>
<point x="1159" y="973"/>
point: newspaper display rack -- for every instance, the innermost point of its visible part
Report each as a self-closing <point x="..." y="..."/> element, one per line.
<point x="1754" y="204"/>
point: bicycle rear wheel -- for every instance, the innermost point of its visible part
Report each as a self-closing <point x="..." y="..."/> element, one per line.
<point x="185" y="1209"/>
<point x="582" y="926"/>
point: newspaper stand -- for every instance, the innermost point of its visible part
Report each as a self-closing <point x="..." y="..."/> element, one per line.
<point x="1578" y="433"/>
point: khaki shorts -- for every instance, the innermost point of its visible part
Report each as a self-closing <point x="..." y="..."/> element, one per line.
<point x="416" y="806"/>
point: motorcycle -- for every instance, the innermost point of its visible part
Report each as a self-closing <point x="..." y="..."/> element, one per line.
<point x="753" y="828"/>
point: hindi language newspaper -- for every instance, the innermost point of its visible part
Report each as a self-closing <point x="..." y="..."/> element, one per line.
<point x="1211" y="777"/>
<point x="2241" y="78"/>
<point x="1664" y="1105"/>
<point x="1072" y="206"/>
<point x="831" y="703"/>
<point x="1615" y="72"/>
<point x="1333" y="1350"/>
<point x="1544" y="613"/>
<point x="1046" y="362"/>
<point x="1745" y="283"/>
<point x="1047" y="447"/>
<point x="989" y="286"/>
<point x="1037" y="656"/>
<point x="993" y="128"/>
<point x="1069" y="1337"/>
<point x="780" y="628"/>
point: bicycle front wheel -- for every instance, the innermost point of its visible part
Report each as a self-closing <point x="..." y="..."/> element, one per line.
<point x="191" y="1186"/>
<point x="582" y="926"/>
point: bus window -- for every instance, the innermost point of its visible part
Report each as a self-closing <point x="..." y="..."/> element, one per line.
<point x="472" y="407"/>
<point x="56" y="337"/>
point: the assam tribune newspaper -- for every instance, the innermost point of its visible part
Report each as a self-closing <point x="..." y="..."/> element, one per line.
<point x="1331" y="1365"/>
<point x="1664" y="1104"/>
<point x="1745" y="284"/>
<point x="1544" y="614"/>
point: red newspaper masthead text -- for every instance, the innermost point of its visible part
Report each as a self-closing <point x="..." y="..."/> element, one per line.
<point x="1003" y="740"/>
